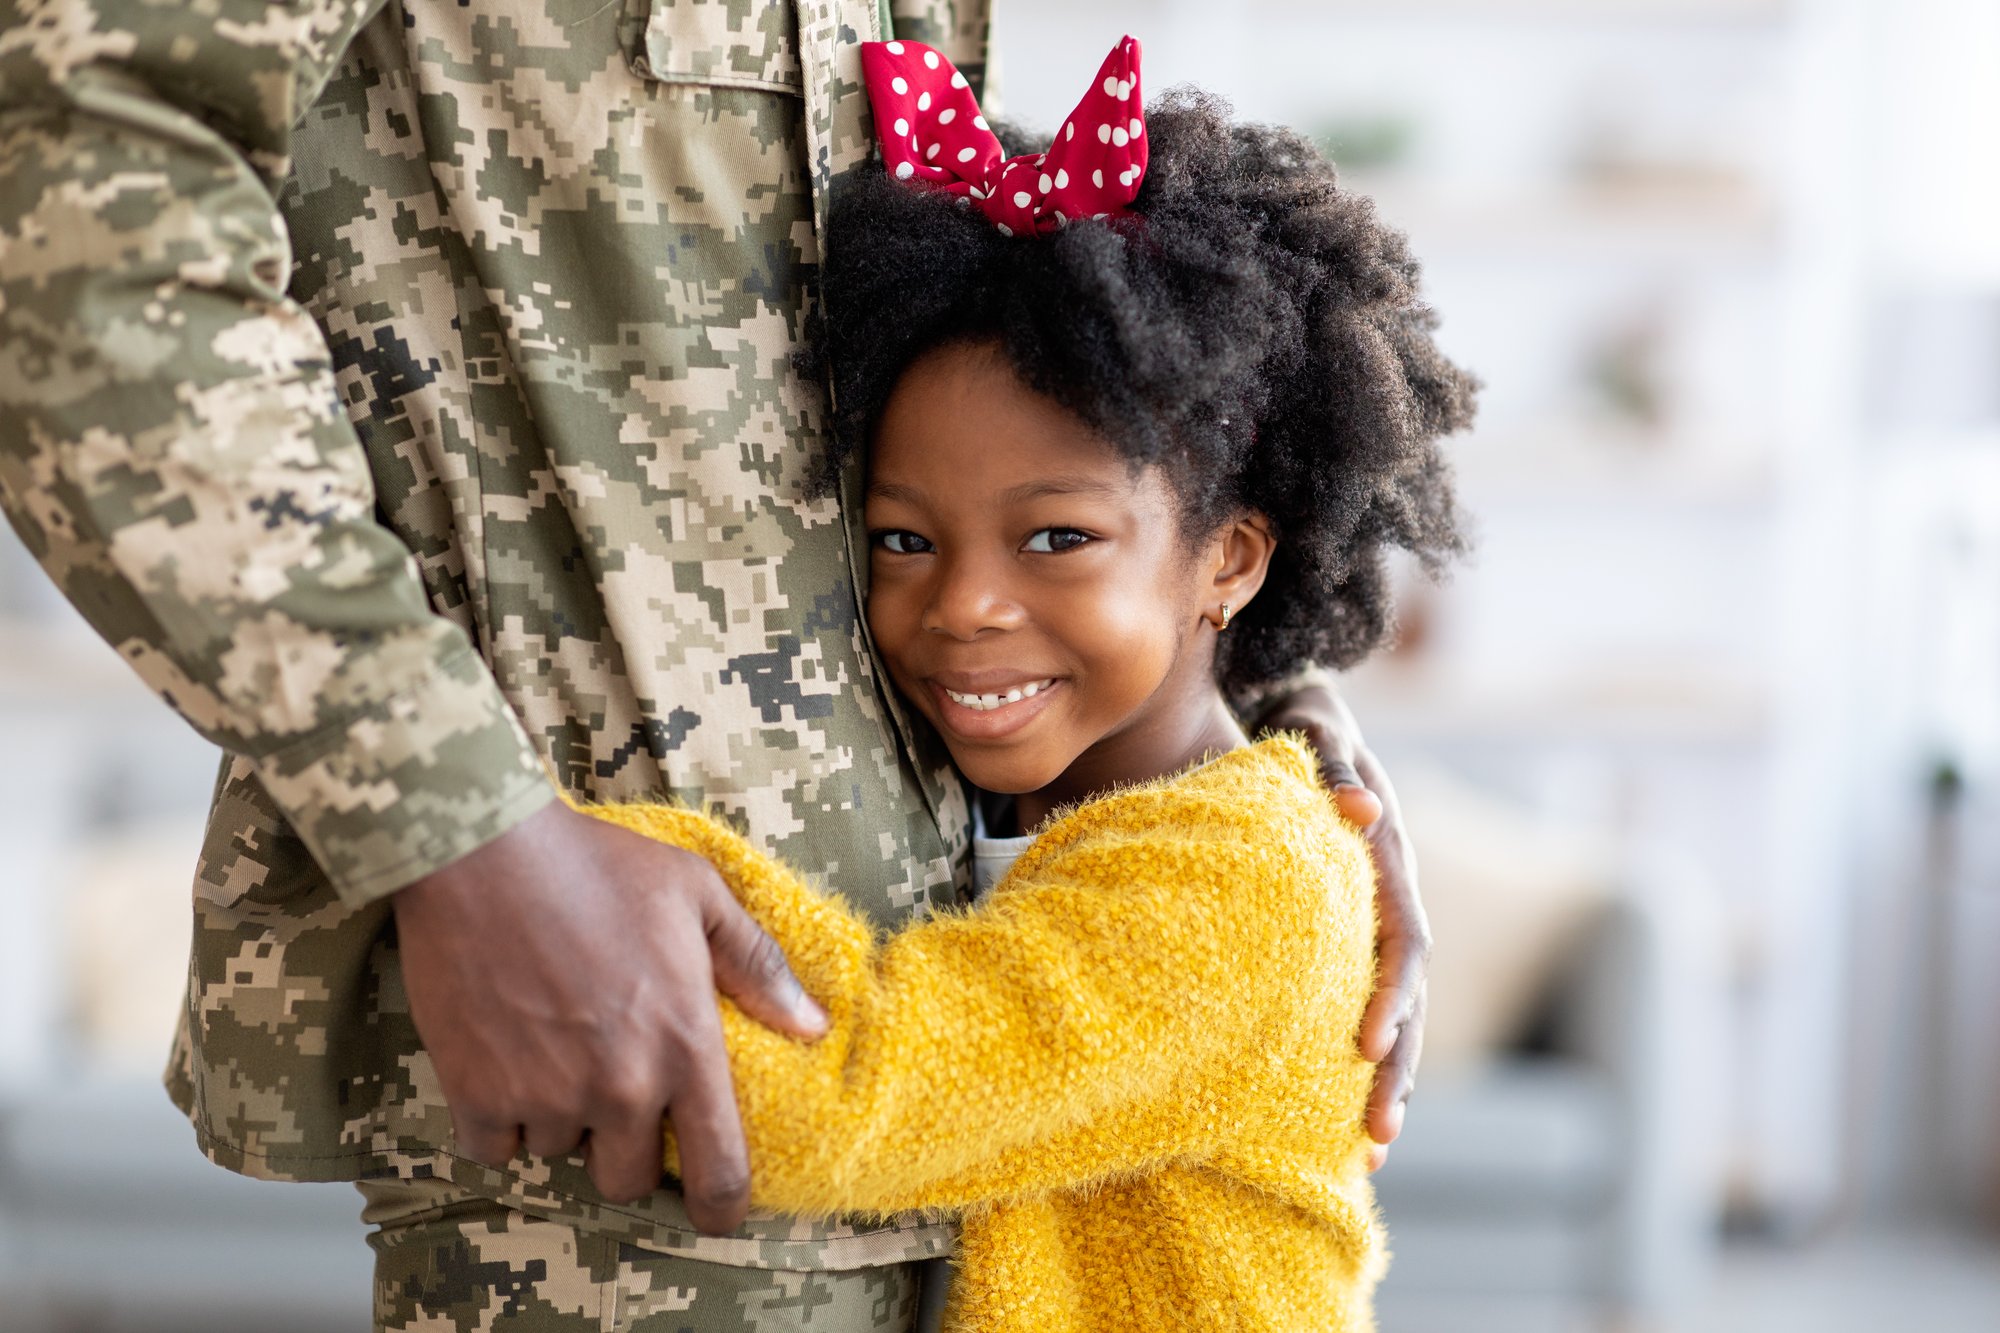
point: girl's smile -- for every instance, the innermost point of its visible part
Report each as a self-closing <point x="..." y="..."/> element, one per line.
<point x="1034" y="592"/>
<point x="994" y="713"/>
<point x="997" y="699"/>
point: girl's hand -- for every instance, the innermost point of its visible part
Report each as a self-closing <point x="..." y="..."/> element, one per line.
<point x="1392" y="1029"/>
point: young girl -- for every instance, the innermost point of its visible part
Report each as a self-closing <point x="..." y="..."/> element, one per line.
<point x="1145" y="412"/>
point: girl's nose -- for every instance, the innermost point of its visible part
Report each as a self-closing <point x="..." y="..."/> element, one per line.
<point x="967" y="599"/>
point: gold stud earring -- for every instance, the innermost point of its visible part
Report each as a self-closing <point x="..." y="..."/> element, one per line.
<point x="1225" y="617"/>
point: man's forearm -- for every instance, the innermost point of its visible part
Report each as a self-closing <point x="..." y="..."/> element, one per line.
<point x="173" y="452"/>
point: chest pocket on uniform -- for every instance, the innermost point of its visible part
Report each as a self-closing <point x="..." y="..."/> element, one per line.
<point x="728" y="43"/>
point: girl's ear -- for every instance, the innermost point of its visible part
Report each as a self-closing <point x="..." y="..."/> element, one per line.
<point x="1239" y="558"/>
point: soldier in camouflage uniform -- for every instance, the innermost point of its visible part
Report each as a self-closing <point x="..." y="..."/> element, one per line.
<point x="404" y="389"/>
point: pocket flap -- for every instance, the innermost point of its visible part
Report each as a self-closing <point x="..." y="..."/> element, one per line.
<point x="736" y="43"/>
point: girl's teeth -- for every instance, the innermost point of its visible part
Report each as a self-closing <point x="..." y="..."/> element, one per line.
<point x="985" y="702"/>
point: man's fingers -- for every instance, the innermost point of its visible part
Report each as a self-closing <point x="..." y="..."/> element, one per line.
<point x="1375" y="780"/>
<point x="1357" y="805"/>
<point x="1403" y="951"/>
<point x="1396" y="1079"/>
<point x="1392" y="1028"/>
<point x="1403" y="935"/>
<point x="1341" y="773"/>
<point x="1336" y="759"/>
<point x="1339" y="754"/>
<point x="486" y="1141"/>
<point x="751" y="969"/>
<point x="715" y="1165"/>
<point x="626" y="1155"/>
<point x="552" y="1135"/>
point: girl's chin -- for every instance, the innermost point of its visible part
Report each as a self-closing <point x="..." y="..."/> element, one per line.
<point x="1013" y="748"/>
<point x="1006" y="775"/>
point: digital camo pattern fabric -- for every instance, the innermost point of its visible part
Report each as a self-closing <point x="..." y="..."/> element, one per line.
<point x="448" y="1262"/>
<point x="406" y="391"/>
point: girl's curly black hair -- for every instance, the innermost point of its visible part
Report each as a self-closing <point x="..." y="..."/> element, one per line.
<point x="1256" y="330"/>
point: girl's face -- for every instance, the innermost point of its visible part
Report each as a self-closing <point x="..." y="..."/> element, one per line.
<point x="1033" y="592"/>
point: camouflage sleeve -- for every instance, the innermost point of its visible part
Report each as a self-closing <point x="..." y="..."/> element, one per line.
<point x="171" y="448"/>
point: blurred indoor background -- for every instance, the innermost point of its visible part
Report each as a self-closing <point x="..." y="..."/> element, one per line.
<point x="1701" y="752"/>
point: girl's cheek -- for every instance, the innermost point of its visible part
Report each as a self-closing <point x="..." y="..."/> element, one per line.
<point x="893" y="617"/>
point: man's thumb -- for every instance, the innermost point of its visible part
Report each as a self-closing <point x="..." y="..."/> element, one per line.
<point x="751" y="969"/>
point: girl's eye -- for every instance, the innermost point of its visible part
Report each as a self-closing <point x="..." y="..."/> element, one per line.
<point x="902" y="543"/>
<point x="1052" y="540"/>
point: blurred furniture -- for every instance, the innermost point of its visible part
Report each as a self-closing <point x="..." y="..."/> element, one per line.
<point x="1566" y="1183"/>
<point x="111" y="1221"/>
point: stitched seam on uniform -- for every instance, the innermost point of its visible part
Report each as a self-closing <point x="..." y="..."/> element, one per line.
<point x="725" y="81"/>
<point x="209" y="1136"/>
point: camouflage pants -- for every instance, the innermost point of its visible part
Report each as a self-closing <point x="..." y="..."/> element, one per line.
<point x="447" y="1261"/>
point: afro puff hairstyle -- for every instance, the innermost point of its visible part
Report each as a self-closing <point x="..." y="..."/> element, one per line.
<point x="1254" y="329"/>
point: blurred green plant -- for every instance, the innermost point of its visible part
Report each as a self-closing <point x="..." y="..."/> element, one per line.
<point x="1368" y="143"/>
<point x="1623" y="372"/>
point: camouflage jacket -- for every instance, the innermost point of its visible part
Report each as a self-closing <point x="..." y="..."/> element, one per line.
<point x="403" y="388"/>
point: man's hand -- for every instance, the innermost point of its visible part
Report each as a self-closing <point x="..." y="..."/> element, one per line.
<point x="1392" y="1030"/>
<point x="563" y="978"/>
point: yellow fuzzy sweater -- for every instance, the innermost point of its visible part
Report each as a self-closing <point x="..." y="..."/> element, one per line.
<point x="1132" y="1070"/>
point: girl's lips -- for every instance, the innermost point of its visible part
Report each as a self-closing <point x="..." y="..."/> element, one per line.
<point x="984" y="723"/>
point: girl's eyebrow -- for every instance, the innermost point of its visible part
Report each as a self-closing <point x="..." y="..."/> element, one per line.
<point x="1028" y="490"/>
<point x="889" y="490"/>
<point x="1074" y="484"/>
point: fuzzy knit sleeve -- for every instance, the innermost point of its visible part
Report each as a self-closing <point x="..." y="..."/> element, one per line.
<point x="1116" y="1004"/>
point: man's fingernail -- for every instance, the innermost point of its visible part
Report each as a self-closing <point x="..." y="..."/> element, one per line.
<point x="1396" y="1114"/>
<point x="809" y="1014"/>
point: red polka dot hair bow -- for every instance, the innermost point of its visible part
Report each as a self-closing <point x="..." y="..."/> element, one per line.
<point x="931" y="131"/>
